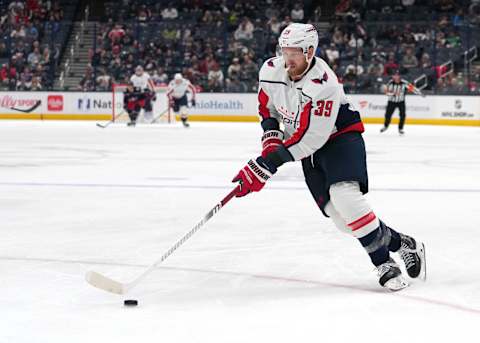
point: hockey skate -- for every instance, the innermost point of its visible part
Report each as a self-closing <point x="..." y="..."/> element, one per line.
<point x="401" y="132"/>
<point x="390" y="276"/>
<point x="131" y="123"/>
<point x="413" y="255"/>
<point x="383" y="129"/>
<point x="184" y="122"/>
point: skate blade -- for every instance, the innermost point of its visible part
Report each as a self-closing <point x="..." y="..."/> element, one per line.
<point x="423" y="269"/>
<point x="396" y="284"/>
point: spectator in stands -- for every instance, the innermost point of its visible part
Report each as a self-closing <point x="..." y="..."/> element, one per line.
<point x="376" y="68"/>
<point x="409" y="60"/>
<point x="356" y="68"/>
<point x="391" y="65"/>
<point x="249" y="69"/>
<point x="440" y="87"/>
<point x="459" y="18"/>
<point x="453" y="40"/>
<point x="343" y="7"/>
<point x="455" y="87"/>
<point x="296" y="13"/>
<point x="160" y="78"/>
<point x="36" y="84"/>
<point x="46" y="57"/>
<point x="244" y="30"/>
<point x="274" y="26"/>
<point x="349" y="79"/>
<point x="116" y="34"/>
<point x="234" y="68"/>
<point x="170" y="12"/>
<point x="443" y="22"/>
<point x="355" y="42"/>
<point x="18" y="32"/>
<point x="24" y="82"/>
<point x="332" y="54"/>
<point x="34" y="57"/>
<point x="408" y="3"/>
<point x="144" y="14"/>
<point x="235" y="85"/>
<point x="317" y="14"/>
<point x="285" y="22"/>
<point x="215" y="79"/>
<point x="31" y="32"/>
<point x="425" y="61"/>
<point x="87" y="83"/>
<point x="338" y="38"/>
<point x="445" y="5"/>
<point x="103" y="81"/>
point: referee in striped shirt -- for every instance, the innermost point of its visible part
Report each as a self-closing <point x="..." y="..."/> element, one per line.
<point x="396" y="89"/>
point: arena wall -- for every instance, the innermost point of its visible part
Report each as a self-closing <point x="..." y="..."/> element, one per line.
<point x="431" y="110"/>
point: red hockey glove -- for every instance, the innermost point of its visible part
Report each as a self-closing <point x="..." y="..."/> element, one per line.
<point x="271" y="141"/>
<point x="253" y="176"/>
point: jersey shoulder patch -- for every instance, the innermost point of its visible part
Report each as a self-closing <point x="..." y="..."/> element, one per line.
<point x="321" y="79"/>
<point x="271" y="69"/>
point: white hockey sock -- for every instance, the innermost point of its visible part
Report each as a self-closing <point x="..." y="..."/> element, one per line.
<point x="353" y="208"/>
<point x="336" y="218"/>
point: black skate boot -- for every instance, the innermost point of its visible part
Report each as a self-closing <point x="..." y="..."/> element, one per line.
<point x="391" y="276"/>
<point x="413" y="255"/>
<point x="401" y="132"/>
<point x="131" y="123"/>
<point x="383" y="129"/>
<point x="184" y="122"/>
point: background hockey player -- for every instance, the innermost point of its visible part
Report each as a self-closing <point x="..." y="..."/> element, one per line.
<point x="177" y="95"/>
<point x="143" y="85"/>
<point x="321" y="130"/>
<point x="396" y="90"/>
<point x="131" y="104"/>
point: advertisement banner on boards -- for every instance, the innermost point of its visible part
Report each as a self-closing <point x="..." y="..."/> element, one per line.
<point x="222" y="106"/>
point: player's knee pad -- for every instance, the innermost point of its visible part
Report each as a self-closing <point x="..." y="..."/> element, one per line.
<point x="352" y="206"/>
<point x="336" y="218"/>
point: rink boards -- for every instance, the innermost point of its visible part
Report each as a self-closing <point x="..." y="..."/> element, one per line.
<point x="241" y="107"/>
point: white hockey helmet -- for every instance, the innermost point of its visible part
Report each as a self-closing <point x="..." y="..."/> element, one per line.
<point x="298" y="35"/>
<point x="178" y="76"/>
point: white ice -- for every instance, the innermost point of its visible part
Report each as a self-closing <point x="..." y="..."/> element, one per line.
<point x="266" y="268"/>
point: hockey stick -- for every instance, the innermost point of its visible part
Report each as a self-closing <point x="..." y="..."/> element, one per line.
<point x="105" y="283"/>
<point x="111" y="121"/>
<point x="28" y="110"/>
<point x="159" y="116"/>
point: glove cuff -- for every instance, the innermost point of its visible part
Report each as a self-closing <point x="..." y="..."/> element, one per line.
<point x="272" y="135"/>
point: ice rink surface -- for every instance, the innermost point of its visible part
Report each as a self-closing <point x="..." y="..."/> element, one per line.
<point x="266" y="268"/>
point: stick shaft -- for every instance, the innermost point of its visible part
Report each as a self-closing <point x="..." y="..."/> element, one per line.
<point x="185" y="237"/>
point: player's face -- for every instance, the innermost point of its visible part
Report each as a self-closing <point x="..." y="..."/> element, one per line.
<point x="294" y="60"/>
<point x="396" y="77"/>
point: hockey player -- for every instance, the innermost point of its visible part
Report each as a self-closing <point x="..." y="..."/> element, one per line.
<point x="177" y="95"/>
<point x="131" y="104"/>
<point x="144" y="86"/>
<point x="301" y="92"/>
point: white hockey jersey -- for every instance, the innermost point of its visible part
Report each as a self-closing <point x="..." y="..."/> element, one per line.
<point x="177" y="91"/>
<point x="312" y="109"/>
<point x="142" y="82"/>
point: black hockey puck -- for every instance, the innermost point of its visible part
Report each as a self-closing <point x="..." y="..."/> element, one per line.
<point x="130" y="302"/>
